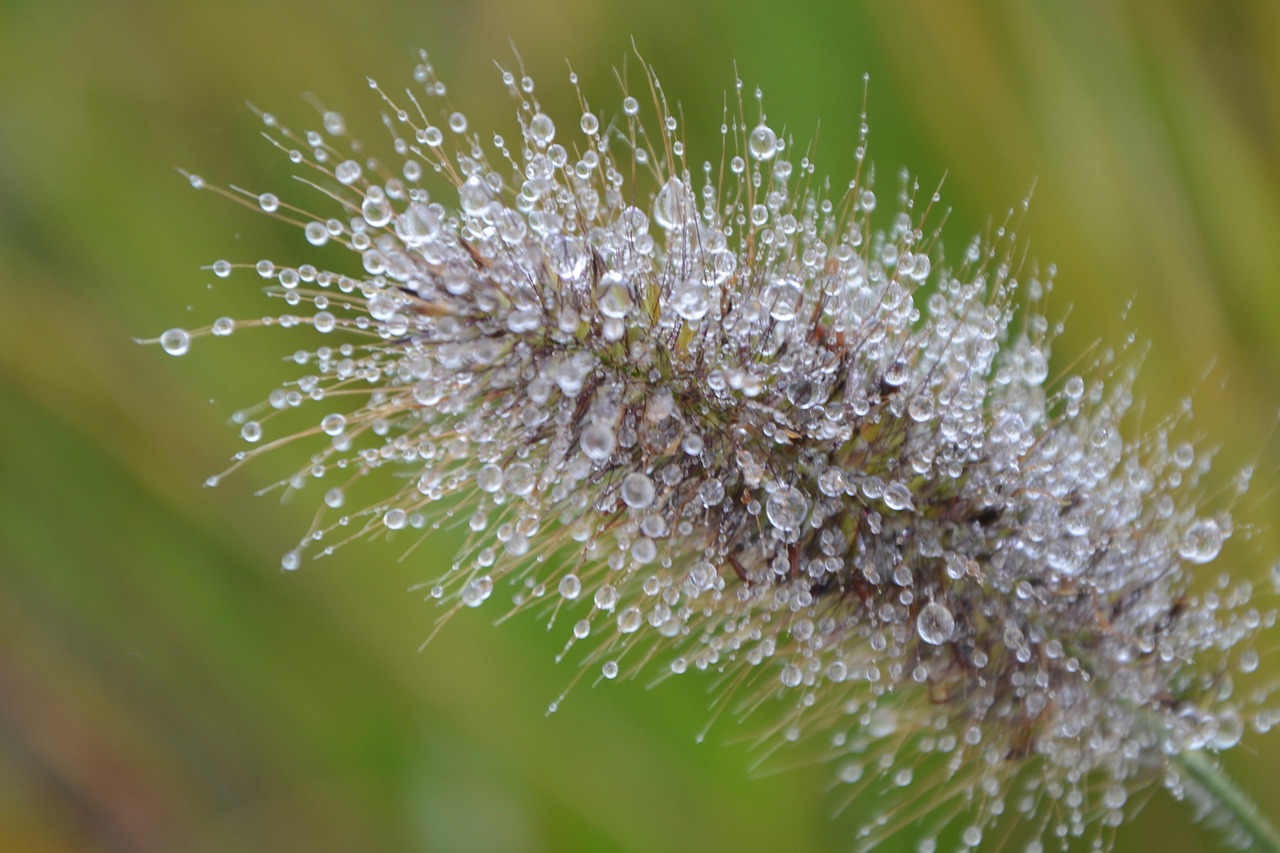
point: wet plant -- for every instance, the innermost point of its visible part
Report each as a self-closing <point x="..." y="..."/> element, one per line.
<point x="726" y="416"/>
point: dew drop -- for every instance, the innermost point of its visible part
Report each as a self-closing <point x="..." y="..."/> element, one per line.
<point x="541" y="130"/>
<point x="762" y="143"/>
<point x="637" y="490"/>
<point x="690" y="299"/>
<point x="175" y="341"/>
<point x="786" y="508"/>
<point x="935" y="624"/>
<point x="347" y="172"/>
<point x="629" y="620"/>
<point x="570" y="587"/>
<point x="1202" y="541"/>
<point x="597" y="442"/>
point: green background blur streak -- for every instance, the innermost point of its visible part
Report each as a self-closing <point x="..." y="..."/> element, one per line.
<point x="163" y="686"/>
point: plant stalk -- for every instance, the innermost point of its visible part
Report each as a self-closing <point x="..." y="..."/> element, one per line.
<point x="1210" y="776"/>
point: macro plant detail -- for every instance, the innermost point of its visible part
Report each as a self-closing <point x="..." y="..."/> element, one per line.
<point x="718" y="416"/>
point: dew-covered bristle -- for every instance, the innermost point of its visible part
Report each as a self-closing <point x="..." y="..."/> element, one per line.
<point x="724" y="416"/>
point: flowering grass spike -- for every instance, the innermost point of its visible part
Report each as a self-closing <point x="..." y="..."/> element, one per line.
<point x="712" y="416"/>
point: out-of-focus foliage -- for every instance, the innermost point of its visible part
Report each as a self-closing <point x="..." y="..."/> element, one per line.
<point x="163" y="686"/>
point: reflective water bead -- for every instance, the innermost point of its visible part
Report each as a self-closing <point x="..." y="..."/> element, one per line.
<point x="570" y="587"/>
<point x="597" y="441"/>
<point x="637" y="491"/>
<point x="690" y="299"/>
<point x="489" y="478"/>
<point x="613" y="298"/>
<point x="175" y="341"/>
<point x="711" y="492"/>
<point x="541" y="130"/>
<point x="1201" y="542"/>
<point x="673" y="205"/>
<point x="269" y="202"/>
<point x="629" y="620"/>
<point x="458" y="123"/>
<point x="518" y="479"/>
<point x="786" y="508"/>
<point x="590" y="124"/>
<point x="251" y="431"/>
<point x="935" y="624"/>
<point x="347" y="172"/>
<point x="316" y="233"/>
<point x="222" y="269"/>
<point x="897" y="497"/>
<point x="630" y="105"/>
<point x="475" y="592"/>
<point x="762" y="143"/>
<point x="333" y="424"/>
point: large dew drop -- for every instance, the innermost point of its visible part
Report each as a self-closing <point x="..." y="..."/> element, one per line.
<point x="786" y="509"/>
<point x="1202" y="542"/>
<point x="935" y="624"/>
<point x="175" y="342"/>
<point x="637" y="491"/>
<point x="763" y="143"/>
<point x="673" y="205"/>
<point x="690" y="300"/>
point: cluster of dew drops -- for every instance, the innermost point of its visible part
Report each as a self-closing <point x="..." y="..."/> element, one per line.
<point x="750" y="432"/>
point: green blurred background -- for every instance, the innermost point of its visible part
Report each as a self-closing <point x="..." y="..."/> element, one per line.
<point x="163" y="686"/>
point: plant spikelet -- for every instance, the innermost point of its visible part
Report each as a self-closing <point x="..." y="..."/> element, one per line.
<point x="721" y="416"/>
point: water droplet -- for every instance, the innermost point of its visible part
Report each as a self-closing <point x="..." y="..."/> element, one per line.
<point x="251" y="431"/>
<point x="175" y="341"/>
<point x="541" y="130"/>
<point x="783" y="299"/>
<point x="590" y="124"/>
<point x="570" y="587"/>
<point x="637" y="491"/>
<point x="458" y="123"/>
<point x="786" y="509"/>
<point x="518" y="479"/>
<point x="598" y="442"/>
<point x="475" y="592"/>
<point x="791" y="675"/>
<point x="762" y="143"/>
<point x="690" y="299"/>
<point x="489" y="478"/>
<point x="935" y="624"/>
<point x="613" y="297"/>
<point x="1202" y="541"/>
<point x="673" y="206"/>
<point x="897" y="497"/>
<point x="629" y="620"/>
<point x="347" y="172"/>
